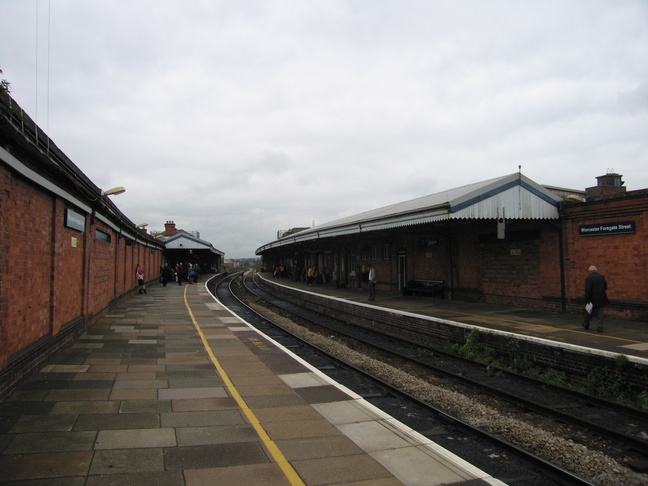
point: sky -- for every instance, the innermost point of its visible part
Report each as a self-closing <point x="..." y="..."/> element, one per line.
<point x="241" y="119"/>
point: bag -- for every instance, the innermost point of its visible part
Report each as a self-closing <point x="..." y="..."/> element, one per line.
<point x="589" y="307"/>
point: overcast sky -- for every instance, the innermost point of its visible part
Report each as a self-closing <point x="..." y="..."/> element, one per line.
<point x="240" y="119"/>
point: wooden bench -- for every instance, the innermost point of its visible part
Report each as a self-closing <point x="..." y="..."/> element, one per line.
<point x="424" y="287"/>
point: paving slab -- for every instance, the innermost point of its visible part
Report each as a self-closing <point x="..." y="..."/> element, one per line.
<point x="221" y="434"/>
<point x="127" y="461"/>
<point x="314" y="447"/>
<point x="43" y="466"/>
<point x="117" y="421"/>
<point x="43" y="423"/>
<point x="334" y="470"/>
<point x="190" y="393"/>
<point x="134" y="394"/>
<point x="201" y="419"/>
<point x="35" y="442"/>
<point x="143" y="406"/>
<point x="82" y="407"/>
<point x="135" y="438"/>
<point x="214" y="455"/>
<point x="157" y="478"/>
<point x="254" y="474"/>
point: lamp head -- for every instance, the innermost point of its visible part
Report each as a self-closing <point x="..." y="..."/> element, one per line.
<point x="114" y="191"/>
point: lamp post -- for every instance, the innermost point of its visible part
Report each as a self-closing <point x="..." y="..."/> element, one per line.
<point x="115" y="191"/>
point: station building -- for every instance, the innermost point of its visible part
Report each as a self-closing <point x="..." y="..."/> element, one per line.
<point x="506" y="240"/>
<point x="186" y="247"/>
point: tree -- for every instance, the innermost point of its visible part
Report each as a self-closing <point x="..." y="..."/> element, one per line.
<point x="5" y="86"/>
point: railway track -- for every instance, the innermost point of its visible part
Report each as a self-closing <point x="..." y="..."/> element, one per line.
<point x="498" y="457"/>
<point x="626" y="428"/>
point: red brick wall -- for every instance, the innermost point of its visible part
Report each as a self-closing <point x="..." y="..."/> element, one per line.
<point x="67" y="271"/>
<point x="521" y="269"/>
<point x="467" y="260"/>
<point x="26" y="264"/>
<point x="623" y="259"/>
<point x="428" y="258"/>
<point x="46" y="282"/>
<point x="101" y="270"/>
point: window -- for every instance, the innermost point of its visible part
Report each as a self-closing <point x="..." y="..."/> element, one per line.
<point x="102" y="236"/>
<point x="374" y="252"/>
<point x="385" y="249"/>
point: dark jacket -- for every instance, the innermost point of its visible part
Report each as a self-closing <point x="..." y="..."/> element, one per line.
<point x="595" y="287"/>
<point x="167" y="274"/>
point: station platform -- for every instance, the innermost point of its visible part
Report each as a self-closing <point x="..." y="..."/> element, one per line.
<point x="171" y="389"/>
<point x="619" y="336"/>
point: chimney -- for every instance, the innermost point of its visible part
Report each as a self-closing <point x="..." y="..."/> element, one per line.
<point x="169" y="228"/>
<point x="610" y="183"/>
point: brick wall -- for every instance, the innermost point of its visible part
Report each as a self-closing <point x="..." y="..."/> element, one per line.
<point x="26" y="261"/>
<point x="428" y="257"/>
<point x="522" y="269"/>
<point x="623" y="258"/>
<point x="54" y="281"/>
<point x="67" y="271"/>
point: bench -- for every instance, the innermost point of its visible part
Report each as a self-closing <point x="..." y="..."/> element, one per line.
<point x="424" y="287"/>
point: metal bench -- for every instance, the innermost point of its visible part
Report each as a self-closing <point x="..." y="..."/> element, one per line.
<point x="424" y="287"/>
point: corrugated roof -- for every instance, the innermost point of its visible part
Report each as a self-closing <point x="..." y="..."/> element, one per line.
<point x="189" y="242"/>
<point x="512" y="196"/>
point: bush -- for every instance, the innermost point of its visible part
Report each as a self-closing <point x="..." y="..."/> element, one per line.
<point x="612" y="384"/>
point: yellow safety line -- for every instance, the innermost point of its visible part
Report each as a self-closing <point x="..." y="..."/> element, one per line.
<point x="277" y="455"/>
<point x="535" y="324"/>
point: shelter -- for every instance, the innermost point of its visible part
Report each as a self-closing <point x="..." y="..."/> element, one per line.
<point x="496" y="240"/>
<point x="183" y="246"/>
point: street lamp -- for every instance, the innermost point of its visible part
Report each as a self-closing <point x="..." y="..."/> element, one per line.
<point x="114" y="191"/>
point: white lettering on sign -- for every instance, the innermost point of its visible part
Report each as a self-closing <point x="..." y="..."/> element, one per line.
<point x="618" y="228"/>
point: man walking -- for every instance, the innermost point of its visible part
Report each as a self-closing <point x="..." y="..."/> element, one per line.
<point x="372" y="282"/>
<point x="595" y="287"/>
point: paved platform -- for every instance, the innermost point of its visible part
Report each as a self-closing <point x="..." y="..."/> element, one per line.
<point x="171" y="389"/>
<point x="619" y="335"/>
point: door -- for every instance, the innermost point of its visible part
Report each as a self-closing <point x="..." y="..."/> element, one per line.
<point x="402" y="271"/>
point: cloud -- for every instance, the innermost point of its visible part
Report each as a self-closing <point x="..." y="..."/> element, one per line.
<point x="240" y="119"/>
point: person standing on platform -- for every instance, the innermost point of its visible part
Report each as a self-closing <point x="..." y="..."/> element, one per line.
<point x="180" y="273"/>
<point x="595" y="292"/>
<point x="139" y="275"/>
<point x="372" y="282"/>
<point x="167" y="274"/>
<point x="336" y="276"/>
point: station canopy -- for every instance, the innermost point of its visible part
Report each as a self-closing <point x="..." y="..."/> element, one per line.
<point x="510" y="197"/>
<point x="185" y="241"/>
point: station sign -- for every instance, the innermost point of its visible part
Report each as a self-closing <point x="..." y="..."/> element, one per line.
<point x="75" y="220"/>
<point x="601" y="229"/>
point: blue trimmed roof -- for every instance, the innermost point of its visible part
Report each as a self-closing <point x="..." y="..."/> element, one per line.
<point x="513" y="196"/>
